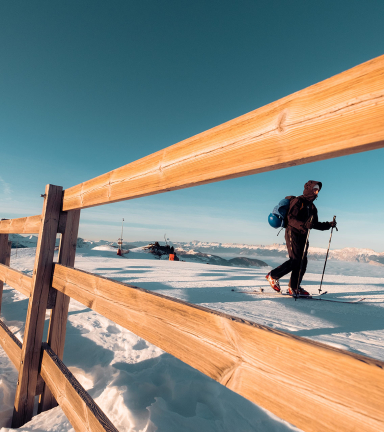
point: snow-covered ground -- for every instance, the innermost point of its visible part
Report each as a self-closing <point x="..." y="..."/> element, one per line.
<point x="141" y="388"/>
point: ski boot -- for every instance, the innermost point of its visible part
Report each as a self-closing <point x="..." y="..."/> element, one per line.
<point x="299" y="292"/>
<point x="273" y="282"/>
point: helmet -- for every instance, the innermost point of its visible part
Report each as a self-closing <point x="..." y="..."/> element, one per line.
<point x="275" y="221"/>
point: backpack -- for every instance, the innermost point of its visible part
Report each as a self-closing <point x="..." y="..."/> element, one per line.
<point x="278" y="217"/>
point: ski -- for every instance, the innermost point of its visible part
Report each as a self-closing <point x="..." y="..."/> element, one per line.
<point x="274" y="293"/>
<point x="310" y="297"/>
<point x="277" y="294"/>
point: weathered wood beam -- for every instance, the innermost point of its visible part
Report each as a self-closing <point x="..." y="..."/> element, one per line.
<point x="339" y="116"/>
<point x="278" y="371"/>
<point x="5" y="258"/>
<point x="59" y="313"/>
<point x="16" y="279"/>
<point x="10" y="344"/>
<point x="24" y="225"/>
<point x="80" y="409"/>
<point x="12" y="347"/>
<point x="34" y="326"/>
<point x="28" y="225"/>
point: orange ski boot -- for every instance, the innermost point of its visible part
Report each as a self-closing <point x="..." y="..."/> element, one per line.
<point x="273" y="282"/>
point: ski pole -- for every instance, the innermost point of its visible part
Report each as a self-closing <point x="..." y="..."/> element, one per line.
<point x="326" y="257"/>
<point x="302" y="259"/>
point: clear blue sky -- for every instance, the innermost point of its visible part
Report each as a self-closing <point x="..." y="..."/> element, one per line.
<point x="88" y="86"/>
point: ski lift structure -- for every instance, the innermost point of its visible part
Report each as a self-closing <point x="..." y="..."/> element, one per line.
<point x="120" y="251"/>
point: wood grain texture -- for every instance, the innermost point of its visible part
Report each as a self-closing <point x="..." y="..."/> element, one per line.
<point x="80" y="409"/>
<point x="5" y="258"/>
<point x="16" y="279"/>
<point x="59" y="313"/>
<point x="10" y="344"/>
<point x="12" y="347"/>
<point x="34" y="326"/>
<point x="25" y="225"/>
<point x="8" y="254"/>
<point x="339" y="116"/>
<point x="342" y="388"/>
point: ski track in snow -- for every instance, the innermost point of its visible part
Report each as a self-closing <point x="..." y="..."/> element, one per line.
<point x="141" y="388"/>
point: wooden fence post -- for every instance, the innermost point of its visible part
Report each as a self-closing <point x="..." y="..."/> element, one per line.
<point x="59" y="313"/>
<point x="5" y="257"/>
<point x="34" y="326"/>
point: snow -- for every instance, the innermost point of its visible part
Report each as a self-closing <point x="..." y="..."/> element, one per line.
<point x="141" y="388"/>
<point x="106" y="248"/>
<point x="139" y="250"/>
<point x="232" y="249"/>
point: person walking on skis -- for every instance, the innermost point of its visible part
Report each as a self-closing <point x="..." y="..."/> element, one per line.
<point x="302" y="216"/>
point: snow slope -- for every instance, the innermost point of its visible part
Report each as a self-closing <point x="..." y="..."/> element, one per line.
<point x="141" y="388"/>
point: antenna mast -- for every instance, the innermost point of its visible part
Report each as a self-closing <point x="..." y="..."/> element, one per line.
<point x="120" y="241"/>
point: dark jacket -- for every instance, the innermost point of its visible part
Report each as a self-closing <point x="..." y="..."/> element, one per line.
<point x="302" y="208"/>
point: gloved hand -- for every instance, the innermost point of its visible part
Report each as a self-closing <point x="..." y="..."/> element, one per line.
<point x="309" y="224"/>
<point x="332" y="224"/>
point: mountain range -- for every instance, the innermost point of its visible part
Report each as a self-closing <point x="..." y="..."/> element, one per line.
<point x="280" y="250"/>
<point x="214" y="248"/>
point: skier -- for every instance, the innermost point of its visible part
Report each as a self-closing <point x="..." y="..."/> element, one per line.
<point x="299" y="222"/>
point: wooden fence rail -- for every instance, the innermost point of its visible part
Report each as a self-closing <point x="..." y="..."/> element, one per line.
<point x="25" y="225"/>
<point x="250" y="359"/>
<point x="10" y="344"/>
<point x="12" y="347"/>
<point x="15" y="279"/>
<point x="78" y="406"/>
<point x="339" y="116"/>
<point x="5" y="257"/>
<point x="80" y="409"/>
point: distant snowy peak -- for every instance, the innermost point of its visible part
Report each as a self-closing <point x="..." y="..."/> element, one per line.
<point x="356" y="251"/>
<point x="215" y="248"/>
<point x="276" y="249"/>
<point x="90" y="244"/>
<point x="360" y="255"/>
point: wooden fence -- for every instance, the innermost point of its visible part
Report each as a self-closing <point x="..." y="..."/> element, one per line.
<point x="345" y="391"/>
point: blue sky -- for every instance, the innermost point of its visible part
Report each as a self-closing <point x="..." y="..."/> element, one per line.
<point x="88" y="86"/>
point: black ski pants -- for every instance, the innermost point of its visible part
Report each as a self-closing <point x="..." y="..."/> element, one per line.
<point x="295" y="245"/>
